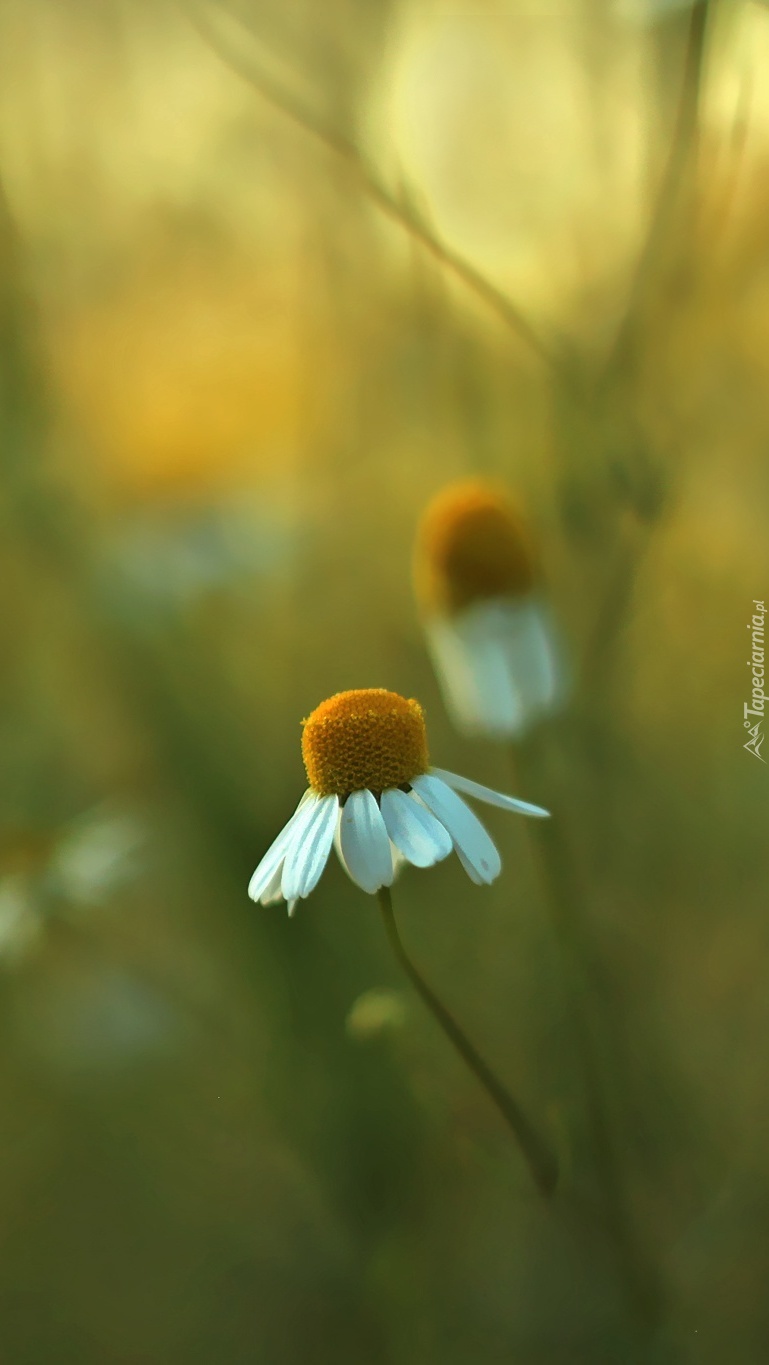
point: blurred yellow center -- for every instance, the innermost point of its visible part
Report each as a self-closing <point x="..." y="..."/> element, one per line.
<point x="364" y="738"/>
<point x="472" y="544"/>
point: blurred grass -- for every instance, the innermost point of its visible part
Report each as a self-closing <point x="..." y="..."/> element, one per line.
<point x="227" y="387"/>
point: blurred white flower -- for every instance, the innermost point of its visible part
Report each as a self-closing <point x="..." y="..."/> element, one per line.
<point x="489" y="629"/>
<point x="97" y="1017"/>
<point x="67" y="871"/>
<point x="173" y="561"/>
<point x="95" y="856"/>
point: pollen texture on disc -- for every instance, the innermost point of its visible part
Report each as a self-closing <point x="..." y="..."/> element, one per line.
<point x="472" y="544"/>
<point x="365" y="738"/>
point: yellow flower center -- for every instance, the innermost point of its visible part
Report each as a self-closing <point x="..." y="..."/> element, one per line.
<point x="364" y="738"/>
<point x="472" y="544"/>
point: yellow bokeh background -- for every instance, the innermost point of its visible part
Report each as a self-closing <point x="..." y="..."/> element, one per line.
<point x="262" y="274"/>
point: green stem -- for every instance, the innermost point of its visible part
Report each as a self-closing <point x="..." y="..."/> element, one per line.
<point x="674" y="187"/>
<point x="541" y="1161"/>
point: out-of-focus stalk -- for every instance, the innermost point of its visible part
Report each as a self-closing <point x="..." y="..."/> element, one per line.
<point x="233" y="46"/>
<point x="540" y="1160"/>
<point x="568" y="908"/>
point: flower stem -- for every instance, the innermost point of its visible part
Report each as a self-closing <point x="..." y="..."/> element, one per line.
<point x="541" y="1161"/>
<point x="673" y="191"/>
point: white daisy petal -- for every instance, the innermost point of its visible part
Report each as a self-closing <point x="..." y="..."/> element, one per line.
<point x="365" y="842"/>
<point x="492" y="798"/>
<point x="338" y="840"/>
<point x="273" y="858"/>
<point x="470" y="657"/>
<point x="475" y="848"/>
<point x="308" y="855"/>
<point x="399" y="862"/>
<point x="498" y="664"/>
<point x="529" y="637"/>
<point x="414" y="830"/>
<point x="272" y="891"/>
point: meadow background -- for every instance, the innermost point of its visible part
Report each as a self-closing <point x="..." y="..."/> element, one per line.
<point x="231" y="374"/>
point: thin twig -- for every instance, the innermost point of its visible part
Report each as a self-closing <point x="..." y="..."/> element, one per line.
<point x="617" y="371"/>
<point x="541" y="1161"/>
<point x="250" y="70"/>
<point x="681" y="156"/>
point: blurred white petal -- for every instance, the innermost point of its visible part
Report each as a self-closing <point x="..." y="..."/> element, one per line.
<point x="497" y="664"/>
<point x="95" y="855"/>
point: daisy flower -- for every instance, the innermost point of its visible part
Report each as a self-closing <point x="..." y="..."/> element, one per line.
<point x="489" y="630"/>
<point x="373" y="794"/>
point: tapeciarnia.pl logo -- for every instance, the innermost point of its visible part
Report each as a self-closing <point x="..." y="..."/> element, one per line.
<point x="755" y="707"/>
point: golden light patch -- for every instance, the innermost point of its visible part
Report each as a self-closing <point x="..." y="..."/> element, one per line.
<point x="472" y="544"/>
<point x="364" y="738"/>
<point x="191" y="379"/>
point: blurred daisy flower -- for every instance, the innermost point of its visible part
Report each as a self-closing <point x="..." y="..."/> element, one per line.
<point x="64" y="872"/>
<point x="161" y="561"/>
<point x="489" y="630"/>
<point x="96" y="855"/>
<point x="374" y="795"/>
